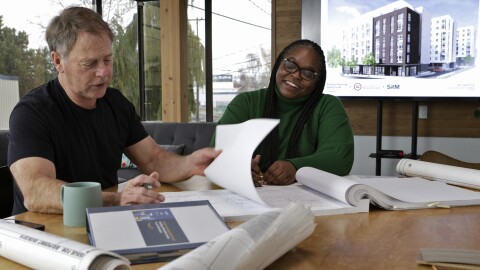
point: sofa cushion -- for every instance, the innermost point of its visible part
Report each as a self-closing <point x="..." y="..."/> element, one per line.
<point x="194" y="135"/>
<point x="127" y="163"/>
<point x="177" y="149"/>
<point x="3" y="147"/>
<point x="6" y="192"/>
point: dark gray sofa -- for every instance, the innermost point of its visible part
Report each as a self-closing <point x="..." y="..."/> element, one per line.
<point x="6" y="183"/>
<point x="192" y="135"/>
<point x="3" y="147"/>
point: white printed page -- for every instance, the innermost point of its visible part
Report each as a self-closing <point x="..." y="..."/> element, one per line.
<point x="293" y="225"/>
<point x="281" y="196"/>
<point x="234" y="207"/>
<point x="254" y="244"/>
<point x="232" y="169"/>
<point x="418" y="190"/>
<point x="229" y="205"/>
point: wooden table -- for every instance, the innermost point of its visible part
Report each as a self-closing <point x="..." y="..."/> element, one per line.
<point x="376" y="240"/>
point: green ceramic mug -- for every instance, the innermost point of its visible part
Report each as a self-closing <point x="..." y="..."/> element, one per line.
<point x="76" y="198"/>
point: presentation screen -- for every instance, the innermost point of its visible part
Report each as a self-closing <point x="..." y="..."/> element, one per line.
<point x="397" y="49"/>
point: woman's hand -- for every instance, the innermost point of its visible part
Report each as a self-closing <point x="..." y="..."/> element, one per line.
<point x="281" y="172"/>
<point x="257" y="175"/>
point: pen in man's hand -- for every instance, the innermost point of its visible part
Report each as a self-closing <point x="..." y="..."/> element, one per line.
<point x="147" y="186"/>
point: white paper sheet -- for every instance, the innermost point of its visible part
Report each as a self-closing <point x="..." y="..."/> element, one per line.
<point x="254" y="244"/>
<point x="232" y="169"/>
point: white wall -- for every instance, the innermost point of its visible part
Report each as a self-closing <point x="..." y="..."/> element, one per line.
<point x="9" y="96"/>
<point x="465" y="149"/>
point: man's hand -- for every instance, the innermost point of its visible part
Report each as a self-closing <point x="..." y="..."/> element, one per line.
<point x="135" y="193"/>
<point x="281" y="172"/>
<point x="200" y="159"/>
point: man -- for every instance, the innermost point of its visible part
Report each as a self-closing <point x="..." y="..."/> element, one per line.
<point x="75" y="128"/>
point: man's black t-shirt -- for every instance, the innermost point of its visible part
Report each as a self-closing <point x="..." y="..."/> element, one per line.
<point x="84" y="144"/>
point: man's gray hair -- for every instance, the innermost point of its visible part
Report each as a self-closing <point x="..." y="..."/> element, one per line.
<point x="63" y="30"/>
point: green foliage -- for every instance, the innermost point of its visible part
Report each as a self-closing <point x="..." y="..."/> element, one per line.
<point x="369" y="59"/>
<point x="125" y="64"/>
<point x="31" y="66"/>
<point x="353" y="62"/>
<point x="125" y="49"/>
<point x="469" y="59"/>
<point x="153" y="64"/>
<point x="196" y="67"/>
<point x="334" y="58"/>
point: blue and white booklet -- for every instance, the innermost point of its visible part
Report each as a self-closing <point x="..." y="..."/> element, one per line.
<point x="153" y="232"/>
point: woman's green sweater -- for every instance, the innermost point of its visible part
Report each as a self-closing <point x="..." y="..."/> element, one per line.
<point x="326" y="142"/>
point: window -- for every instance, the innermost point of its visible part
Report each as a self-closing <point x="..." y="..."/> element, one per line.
<point x="400" y="23"/>
<point x="241" y="33"/>
<point x="392" y="24"/>
<point x="384" y="26"/>
<point x="241" y="43"/>
<point x="24" y="57"/>
<point x="30" y="25"/>
<point x="151" y="62"/>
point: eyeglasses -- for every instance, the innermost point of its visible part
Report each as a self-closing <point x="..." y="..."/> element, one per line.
<point x="291" y="67"/>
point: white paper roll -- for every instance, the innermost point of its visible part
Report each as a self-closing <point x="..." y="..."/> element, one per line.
<point x="449" y="174"/>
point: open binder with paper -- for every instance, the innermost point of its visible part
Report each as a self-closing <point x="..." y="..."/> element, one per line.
<point x="391" y="193"/>
<point x="240" y="200"/>
<point x="324" y="193"/>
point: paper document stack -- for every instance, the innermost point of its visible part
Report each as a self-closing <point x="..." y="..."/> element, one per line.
<point x="253" y="245"/>
<point x="450" y="258"/>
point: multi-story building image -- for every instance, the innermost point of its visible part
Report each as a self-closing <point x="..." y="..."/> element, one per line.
<point x="466" y="47"/>
<point x="443" y="51"/>
<point x="398" y="36"/>
<point x="397" y="42"/>
<point x="406" y="41"/>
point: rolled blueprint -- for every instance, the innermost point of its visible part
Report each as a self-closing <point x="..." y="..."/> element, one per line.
<point x="454" y="175"/>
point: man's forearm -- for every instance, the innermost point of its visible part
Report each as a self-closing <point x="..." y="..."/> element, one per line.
<point x="171" y="167"/>
<point x="45" y="197"/>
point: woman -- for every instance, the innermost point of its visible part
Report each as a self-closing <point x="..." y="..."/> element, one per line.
<point x="314" y="128"/>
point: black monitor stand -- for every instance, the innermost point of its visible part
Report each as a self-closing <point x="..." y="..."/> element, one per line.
<point x="382" y="153"/>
